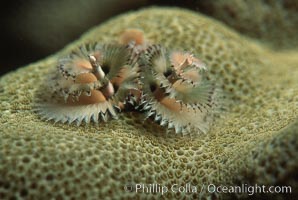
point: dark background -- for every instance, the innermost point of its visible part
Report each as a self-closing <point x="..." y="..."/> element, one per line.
<point x="33" y="29"/>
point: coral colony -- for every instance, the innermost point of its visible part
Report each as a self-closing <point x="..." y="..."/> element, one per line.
<point x="96" y="82"/>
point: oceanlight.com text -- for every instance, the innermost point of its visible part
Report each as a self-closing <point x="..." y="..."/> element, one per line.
<point x="156" y="188"/>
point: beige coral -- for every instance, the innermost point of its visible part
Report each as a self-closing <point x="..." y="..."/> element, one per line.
<point x="255" y="140"/>
<point x="273" y="22"/>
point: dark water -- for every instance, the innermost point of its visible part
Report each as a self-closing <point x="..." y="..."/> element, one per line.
<point x="32" y="29"/>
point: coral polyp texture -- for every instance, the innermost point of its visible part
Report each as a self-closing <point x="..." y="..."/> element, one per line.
<point x="273" y="22"/>
<point x="254" y="143"/>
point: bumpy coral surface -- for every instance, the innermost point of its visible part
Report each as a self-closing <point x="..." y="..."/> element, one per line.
<point x="273" y="22"/>
<point x="255" y="140"/>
